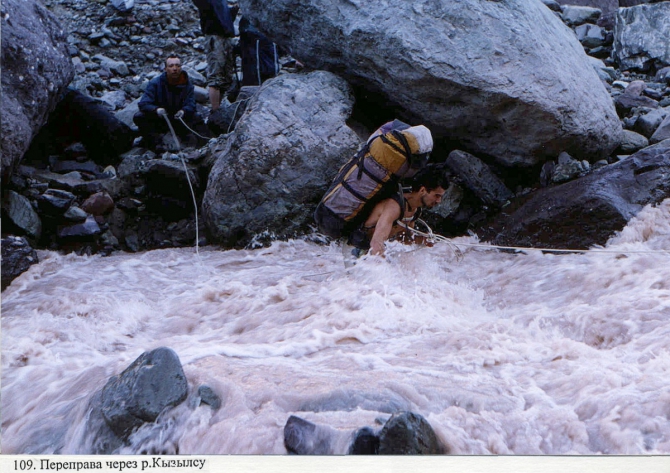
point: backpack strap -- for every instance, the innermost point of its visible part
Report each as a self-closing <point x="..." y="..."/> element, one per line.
<point x="400" y="199"/>
<point x="407" y="151"/>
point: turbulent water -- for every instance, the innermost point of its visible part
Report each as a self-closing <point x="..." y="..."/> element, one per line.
<point x="502" y="353"/>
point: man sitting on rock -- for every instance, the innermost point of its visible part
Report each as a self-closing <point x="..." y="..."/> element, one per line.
<point x="170" y="95"/>
<point x="390" y="218"/>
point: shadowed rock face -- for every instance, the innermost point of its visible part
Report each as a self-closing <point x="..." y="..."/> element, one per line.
<point x="587" y="211"/>
<point x="35" y="71"/>
<point x="506" y="80"/>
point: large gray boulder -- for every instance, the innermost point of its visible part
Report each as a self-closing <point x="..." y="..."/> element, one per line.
<point x="506" y="80"/>
<point x="589" y="210"/>
<point x="642" y="36"/>
<point x="274" y="168"/>
<point x="36" y="69"/>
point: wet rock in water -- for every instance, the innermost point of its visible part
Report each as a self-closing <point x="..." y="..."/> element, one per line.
<point x="305" y="438"/>
<point x="153" y="382"/>
<point x="209" y="397"/>
<point x="17" y="257"/>
<point x="408" y="433"/>
<point x="99" y="438"/>
<point x="365" y="442"/>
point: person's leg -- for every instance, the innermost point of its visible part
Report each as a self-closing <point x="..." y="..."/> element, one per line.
<point x="214" y="97"/>
<point x="220" y="68"/>
<point x="214" y="70"/>
<point x="150" y="127"/>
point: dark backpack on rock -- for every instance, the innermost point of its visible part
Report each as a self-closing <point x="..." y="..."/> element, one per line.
<point x="260" y="56"/>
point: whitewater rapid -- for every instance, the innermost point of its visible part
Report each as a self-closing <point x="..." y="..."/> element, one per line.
<point x="503" y="353"/>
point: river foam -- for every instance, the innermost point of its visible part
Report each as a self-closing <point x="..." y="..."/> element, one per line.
<point x="526" y="353"/>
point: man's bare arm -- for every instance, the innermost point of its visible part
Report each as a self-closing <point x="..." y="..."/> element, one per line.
<point x="390" y="212"/>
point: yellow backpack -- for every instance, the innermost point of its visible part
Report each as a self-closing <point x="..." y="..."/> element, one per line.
<point x="393" y="152"/>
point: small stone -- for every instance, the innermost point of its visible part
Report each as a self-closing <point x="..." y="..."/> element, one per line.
<point x="209" y="397"/>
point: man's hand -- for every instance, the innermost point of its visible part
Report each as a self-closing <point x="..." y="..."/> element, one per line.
<point x="161" y="112"/>
<point x="179" y="114"/>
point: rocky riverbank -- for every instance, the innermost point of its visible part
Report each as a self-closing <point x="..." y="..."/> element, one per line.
<point x="520" y="124"/>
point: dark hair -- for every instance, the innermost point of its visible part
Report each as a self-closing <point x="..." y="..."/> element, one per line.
<point x="172" y="56"/>
<point x="431" y="177"/>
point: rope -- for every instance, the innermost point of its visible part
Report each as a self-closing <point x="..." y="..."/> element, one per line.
<point x="188" y="178"/>
<point x="188" y="128"/>
<point x="237" y="107"/>
<point x="434" y="237"/>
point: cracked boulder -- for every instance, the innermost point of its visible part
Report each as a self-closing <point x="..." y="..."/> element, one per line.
<point x="270" y="173"/>
<point x="36" y="69"/>
<point x="506" y="80"/>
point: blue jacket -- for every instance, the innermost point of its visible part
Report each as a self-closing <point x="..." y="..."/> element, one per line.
<point x="215" y="18"/>
<point x="160" y="94"/>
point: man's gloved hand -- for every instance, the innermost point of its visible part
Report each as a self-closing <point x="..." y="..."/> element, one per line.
<point x="161" y="112"/>
<point x="179" y="114"/>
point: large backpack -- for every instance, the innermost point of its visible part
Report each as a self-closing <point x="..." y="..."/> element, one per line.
<point x="260" y="56"/>
<point x="394" y="152"/>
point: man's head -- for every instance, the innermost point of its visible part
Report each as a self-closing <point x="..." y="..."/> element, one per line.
<point x="173" y="67"/>
<point x="430" y="185"/>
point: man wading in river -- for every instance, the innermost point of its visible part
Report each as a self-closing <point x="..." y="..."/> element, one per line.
<point x="390" y="218"/>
